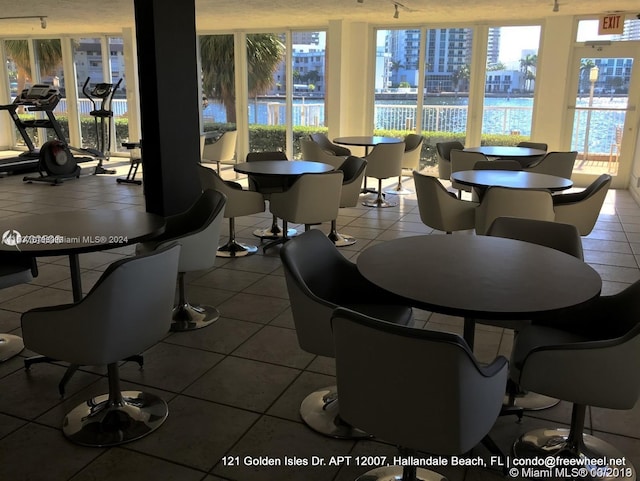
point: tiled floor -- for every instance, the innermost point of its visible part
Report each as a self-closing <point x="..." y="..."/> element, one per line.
<point x="234" y="388"/>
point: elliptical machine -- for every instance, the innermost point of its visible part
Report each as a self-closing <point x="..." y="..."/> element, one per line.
<point x="102" y="115"/>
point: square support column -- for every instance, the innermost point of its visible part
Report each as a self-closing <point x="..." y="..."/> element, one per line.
<point x="169" y="104"/>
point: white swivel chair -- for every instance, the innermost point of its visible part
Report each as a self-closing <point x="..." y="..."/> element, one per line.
<point x="582" y="208"/>
<point x="326" y="144"/>
<point x="314" y="152"/>
<point x="559" y="164"/>
<point x="586" y="356"/>
<point x="319" y="279"/>
<point x="239" y="202"/>
<point x="439" y="208"/>
<point x="525" y="161"/>
<point x="14" y="269"/>
<point x="222" y="150"/>
<point x="312" y="199"/>
<point x="127" y="311"/>
<point x="353" y="169"/>
<point x="198" y="232"/>
<point x="410" y="161"/>
<point x="505" y="202"/>
<point x="461" y="160"/>
<point x="267" y="185"/>
<point x="443" y="153"/>
<point x="384" y="161"/>
<point x="421" y="390"/>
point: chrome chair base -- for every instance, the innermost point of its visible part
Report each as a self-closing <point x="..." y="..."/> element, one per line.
<point x="10" y="346"/>
<point x="555" y="442"/>
<point x="399" y="191"/>
<point x="320" y="411"/>
<point x="341" y="240"/>
<point x="270" y="234"/>
<point x="395" y="473"/>
<point x="379" y="202"/>
<point x="100" y="422"/>
<point x="531" y="401"/>
<point x="189" y="318"/>
<point x="235" y="249"/>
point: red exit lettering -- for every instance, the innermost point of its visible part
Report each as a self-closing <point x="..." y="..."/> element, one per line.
<point x="610" y="24"/>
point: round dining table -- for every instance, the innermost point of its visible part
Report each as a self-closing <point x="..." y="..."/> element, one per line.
<point x="479" y="277"/>
<point x="504" y="151"/>
<point x="367" y="141"/>
<point x="282" y="168"/>
<point x="514" y="179"/>
<point x="71" y="233"/>
<point x="285" y="170"/>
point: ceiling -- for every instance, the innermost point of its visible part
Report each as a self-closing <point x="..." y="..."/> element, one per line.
<point x="99" y="16"/>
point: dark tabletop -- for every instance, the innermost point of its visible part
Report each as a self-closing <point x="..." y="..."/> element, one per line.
<point x="516" y="179"/>
<point x="367" y="140"/>
<point x="64" y="233"/>
<point x="505" y="151"/>
<point x="479" y="276"/>
<point x="279" y="167"/>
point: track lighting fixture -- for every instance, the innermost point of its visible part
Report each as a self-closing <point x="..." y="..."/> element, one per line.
<point x="43" y="19"/>
<point x="556" y="6"/>
<point x="396" y="14"/>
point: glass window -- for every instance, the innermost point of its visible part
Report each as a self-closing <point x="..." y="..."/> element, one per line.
<point x="309" y="85"/>
<point x="266" y="55"/>
<point x="512" y="57"/>
<point x="588" y="30"/>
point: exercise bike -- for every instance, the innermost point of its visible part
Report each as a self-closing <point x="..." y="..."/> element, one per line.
<point x="102" y="115"/>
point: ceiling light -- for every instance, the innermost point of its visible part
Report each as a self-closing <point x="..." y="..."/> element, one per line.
<point x="556" y="6"/>
<point x="43" y="19"/>
<point x="396" y="14"/>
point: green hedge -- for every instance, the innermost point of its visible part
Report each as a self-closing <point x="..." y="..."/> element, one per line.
<point x="273" y="137"/>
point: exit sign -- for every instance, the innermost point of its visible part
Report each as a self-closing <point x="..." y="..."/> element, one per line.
<point x="611" y="24"/>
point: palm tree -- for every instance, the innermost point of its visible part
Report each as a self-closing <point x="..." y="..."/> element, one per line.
<point x="49" y="54"/>
<point x="461" y="73"/>
<point x="528" y="68"/>
<point x="264" y="53"/>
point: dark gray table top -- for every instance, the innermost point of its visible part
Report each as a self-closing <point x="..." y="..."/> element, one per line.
<point x="367" y="140"/>
<point x="279" y="167"/>
<point x="516" y="179"/>
<point x="64" y="233"/>
<point x="479" y="276"/>
<point x="505" y="151"/>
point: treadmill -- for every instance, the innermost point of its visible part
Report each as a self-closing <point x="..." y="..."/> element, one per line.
<point x="38" y="98"/>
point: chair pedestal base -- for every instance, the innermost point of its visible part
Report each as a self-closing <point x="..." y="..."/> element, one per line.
<point x="10" y="346"/>
<point x="396" y="473"/>
<point x="557" y="442"/>
<point x="320" y="411"/>
<point x="400" y="191"/>
<point x="100" y="422"/>
<point x="341" y="240"/>
<point x="235" y="249"/>
<point x="530" y="401"/>
<point x="188" y="318"/>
